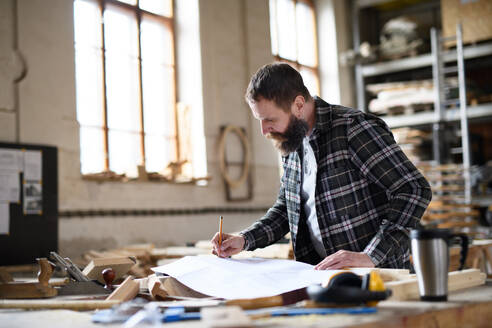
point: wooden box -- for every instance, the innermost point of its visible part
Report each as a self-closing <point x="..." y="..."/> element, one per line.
<point x="475" y="17"/>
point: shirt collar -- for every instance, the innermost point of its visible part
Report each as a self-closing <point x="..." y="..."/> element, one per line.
<point x="323" y="115"/>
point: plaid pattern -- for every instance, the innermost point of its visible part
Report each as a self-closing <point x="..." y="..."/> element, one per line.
<point x="368" y="194"/>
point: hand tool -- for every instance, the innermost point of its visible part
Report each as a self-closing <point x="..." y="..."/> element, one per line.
<point x="80" y="283"/>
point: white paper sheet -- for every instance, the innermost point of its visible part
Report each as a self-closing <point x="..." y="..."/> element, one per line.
<point x="244" y="278"/>
<point x="11" y="159"/>
<point x="4" y="218"/>
<point x="33" y="165"/>
<point x="9" y="186"/>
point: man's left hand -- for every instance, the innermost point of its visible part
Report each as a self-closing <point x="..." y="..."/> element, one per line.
<point x="345" y="259"/>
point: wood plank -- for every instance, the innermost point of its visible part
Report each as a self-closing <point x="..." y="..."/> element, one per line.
<point x="457" y="280"/>
<point x="126" y="291"/>
<point x="120" y="266"/>
<point x="77" y="305"/>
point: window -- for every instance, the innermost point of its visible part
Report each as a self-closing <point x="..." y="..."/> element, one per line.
<point x="125" y="79"/>
<point x="293" y="33"/>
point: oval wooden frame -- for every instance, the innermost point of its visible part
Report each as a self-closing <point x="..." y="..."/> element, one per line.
<point x="244" y="141"/>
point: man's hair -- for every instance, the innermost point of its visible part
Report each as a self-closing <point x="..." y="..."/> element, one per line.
<point x="278" y="82"/>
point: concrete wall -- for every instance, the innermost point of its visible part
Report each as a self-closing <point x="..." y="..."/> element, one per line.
<point x="234" y="39"/>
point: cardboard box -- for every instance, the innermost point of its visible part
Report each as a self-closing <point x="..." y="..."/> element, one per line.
<point x="475" y="17"/>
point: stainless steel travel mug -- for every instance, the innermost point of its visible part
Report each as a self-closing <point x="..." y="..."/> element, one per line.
<point x="430" y="251"/>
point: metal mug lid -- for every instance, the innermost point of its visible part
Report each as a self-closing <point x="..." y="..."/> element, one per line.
<point x="430" y="234"/>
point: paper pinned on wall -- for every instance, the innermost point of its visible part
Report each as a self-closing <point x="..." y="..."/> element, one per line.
<point x="11" y="160"/>
<point x="9" y="186"/>
<point x="33" y="197"/>
<point x="4" y="218"/>
<point x="33" y="165"/>
<point x="245" y="278"/>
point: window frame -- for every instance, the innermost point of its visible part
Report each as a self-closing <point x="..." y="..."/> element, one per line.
<point x="169" y="22"/>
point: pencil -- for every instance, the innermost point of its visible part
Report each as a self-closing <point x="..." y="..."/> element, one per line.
<point x="220" y="230"/>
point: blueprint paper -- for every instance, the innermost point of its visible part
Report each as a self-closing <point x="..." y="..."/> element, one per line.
<point x="244" y="278"/>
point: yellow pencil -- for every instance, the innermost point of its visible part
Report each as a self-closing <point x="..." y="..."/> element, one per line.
<point x="220" y="230"/>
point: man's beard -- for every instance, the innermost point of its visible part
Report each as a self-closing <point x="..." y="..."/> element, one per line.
<point x="290" y="140"/>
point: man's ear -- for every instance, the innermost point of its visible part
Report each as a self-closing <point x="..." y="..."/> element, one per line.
<point x="298" y="106"/>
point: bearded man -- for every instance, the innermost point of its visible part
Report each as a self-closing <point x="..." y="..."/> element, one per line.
<point x="348" y="194"/>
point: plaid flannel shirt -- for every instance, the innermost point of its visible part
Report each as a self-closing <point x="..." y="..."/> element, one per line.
<point x="368" y="193"/>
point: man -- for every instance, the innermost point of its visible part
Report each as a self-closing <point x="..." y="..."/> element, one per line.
<point x="348" y="194"/>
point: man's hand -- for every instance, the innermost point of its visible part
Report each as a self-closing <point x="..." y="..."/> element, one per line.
<point x="345" y="259"/>
<point x="231" y="244"/>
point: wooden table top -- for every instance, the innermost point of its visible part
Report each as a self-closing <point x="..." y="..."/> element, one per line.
<point x="466" y="308"/>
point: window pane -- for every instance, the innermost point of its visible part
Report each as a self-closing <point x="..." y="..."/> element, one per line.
<point x="124" y="152"/>
<point x="157" y="42"/>
<point x="88" y="78"/>
<point x="122" y="86"/>
<point x="286" y="29"/>
<point x="159" y="7"/>
<point x="91" y="150"/>
<point x="159" y="151"/>
<point x="273" y="26"/>
<point x="87" y="24"/>
<point x="158" y="92"/>
<point x="88" y="63"/>
<point x="306" y="35"/>
<point x="310" y="80"/>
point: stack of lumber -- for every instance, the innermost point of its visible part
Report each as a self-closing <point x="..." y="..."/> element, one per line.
<point x="447" y="208"/>
<point x="415" y="143"/>
<point x="406" y="97"/>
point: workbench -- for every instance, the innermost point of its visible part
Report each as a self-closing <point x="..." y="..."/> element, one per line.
<point x="466" y="308"/>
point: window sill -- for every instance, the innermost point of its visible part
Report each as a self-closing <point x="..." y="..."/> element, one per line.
<point x="110" y="176"/>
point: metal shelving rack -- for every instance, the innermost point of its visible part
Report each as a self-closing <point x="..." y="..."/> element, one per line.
<point x="440" y="116"/>
<point x="426" y="60"/>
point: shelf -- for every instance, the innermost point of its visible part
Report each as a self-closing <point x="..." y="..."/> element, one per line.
<point x="482" y="201"/>
<point x="425" y="118"/>
<point x="423" y="60"/>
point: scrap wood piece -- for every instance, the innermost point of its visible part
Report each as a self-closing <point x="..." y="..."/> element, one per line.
<point x="409" y="290"/>
<point x="77" y="305"/>
<point x="156" y="287"/>
<point x="126" y="291"/>
<point x="120" y="266"/>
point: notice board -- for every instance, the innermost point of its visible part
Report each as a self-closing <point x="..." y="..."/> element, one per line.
<point x="28" y="202"/>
